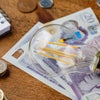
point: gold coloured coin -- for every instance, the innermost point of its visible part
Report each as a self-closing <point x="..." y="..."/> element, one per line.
<point x="27" y="5"/>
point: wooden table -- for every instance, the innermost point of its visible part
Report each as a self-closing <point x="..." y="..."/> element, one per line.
<point x="19" y="85"/>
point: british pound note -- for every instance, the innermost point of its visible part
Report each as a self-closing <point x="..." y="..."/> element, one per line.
<point x="92" y="96"/>
<point x="86" y="27"/>
<point x="85" y="83"/>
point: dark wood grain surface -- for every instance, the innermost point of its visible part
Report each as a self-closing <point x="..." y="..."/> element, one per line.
<point x="18" y="85"/>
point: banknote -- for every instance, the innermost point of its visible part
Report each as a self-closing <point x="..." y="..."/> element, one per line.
<point x="35" y="67"/>
<point x="87" y="23"/>
<point x="84" y="25"/>
<point x="17" y="56"/>
<point x="84" y="83"/>
<point x="92" y="96"/>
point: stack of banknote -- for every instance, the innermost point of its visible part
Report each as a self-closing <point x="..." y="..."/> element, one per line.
<point x="83" y="84"/>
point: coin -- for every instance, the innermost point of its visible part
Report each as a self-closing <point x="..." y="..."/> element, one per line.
<point x="1" y="94"/>
<point x="46" y="3"/>
<point x="98" y="3"/>
<point x="3" y="68"/>
<point x="26" y="5"/>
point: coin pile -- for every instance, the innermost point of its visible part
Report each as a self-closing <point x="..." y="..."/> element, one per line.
<point x="3" y="68"/>
<point x="5" y="15"/>
<point x="2" y="96"/>
<point x="5" y="23"/>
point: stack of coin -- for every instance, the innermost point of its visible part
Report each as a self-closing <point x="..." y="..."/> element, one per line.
<point x="3" y="68"/>
<point x="5" y="15"/>
<point x="46" y="3"/>
<point x="5" y="23"/>
<point x="2" y="96"/>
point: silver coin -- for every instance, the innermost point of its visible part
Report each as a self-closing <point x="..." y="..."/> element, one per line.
<point x="3" y="67"/>
<point x="1" y="95"/>
<point x="46" y="3"/>
<point x="98" y="3"/>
